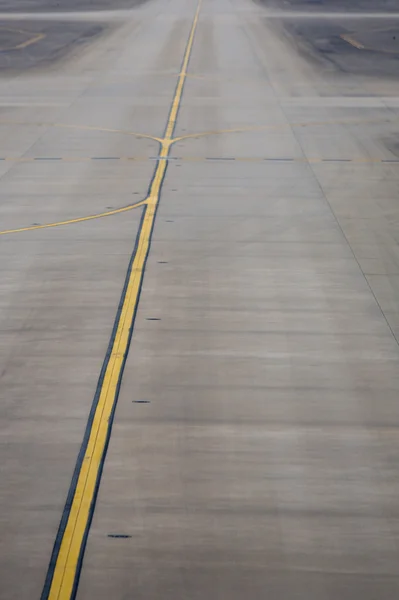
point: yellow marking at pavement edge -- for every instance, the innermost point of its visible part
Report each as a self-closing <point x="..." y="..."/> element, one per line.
<point x="22" y="45"/>
<point x="348" y="38"/>
<point x="73" y="537"/>
<point x="29" y="42"/>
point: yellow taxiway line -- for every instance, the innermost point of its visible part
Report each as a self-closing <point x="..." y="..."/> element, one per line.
<point x="65" y="564"/>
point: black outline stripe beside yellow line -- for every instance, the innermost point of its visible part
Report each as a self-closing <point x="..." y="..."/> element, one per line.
<point x="65" y="566"/>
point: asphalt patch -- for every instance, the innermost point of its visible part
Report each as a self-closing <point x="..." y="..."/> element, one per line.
<point x="66" y="5"/>
<point x="27" y="44"/>
<point x="349" y="45"/>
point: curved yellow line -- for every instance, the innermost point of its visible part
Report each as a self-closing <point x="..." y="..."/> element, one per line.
<point x="255" y="128"/>
<point x="85" y="127"/>
<point x="166" y="143"/>
<point x="116" y="211"/>
<point x="222" y="131"/>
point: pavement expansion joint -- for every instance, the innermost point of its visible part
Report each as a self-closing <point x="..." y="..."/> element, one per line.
<point x="298" y="159"/>
<point x="151" y="199"/>
<point x="168" y="140"/>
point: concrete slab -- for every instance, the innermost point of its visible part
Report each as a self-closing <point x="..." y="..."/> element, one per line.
<point x="255" y="441"/>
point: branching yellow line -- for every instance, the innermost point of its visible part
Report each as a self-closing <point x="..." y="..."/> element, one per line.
<point x="136" y="134"/>
<point x="255" y="128"/>
<point x="70" y="543"/>
<point x="166" y="143"/>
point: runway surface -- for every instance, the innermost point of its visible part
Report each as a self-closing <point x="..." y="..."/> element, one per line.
<point x="199" y="227"/>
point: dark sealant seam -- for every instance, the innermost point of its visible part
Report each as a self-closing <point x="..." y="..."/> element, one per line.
<point x="78" y="465"/>
<point x="83" y="448"/>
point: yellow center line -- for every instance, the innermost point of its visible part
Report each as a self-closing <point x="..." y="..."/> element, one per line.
<point x="68" y="552"/>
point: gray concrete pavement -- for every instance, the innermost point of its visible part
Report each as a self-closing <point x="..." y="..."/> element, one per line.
<point x="263" y="462"/>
